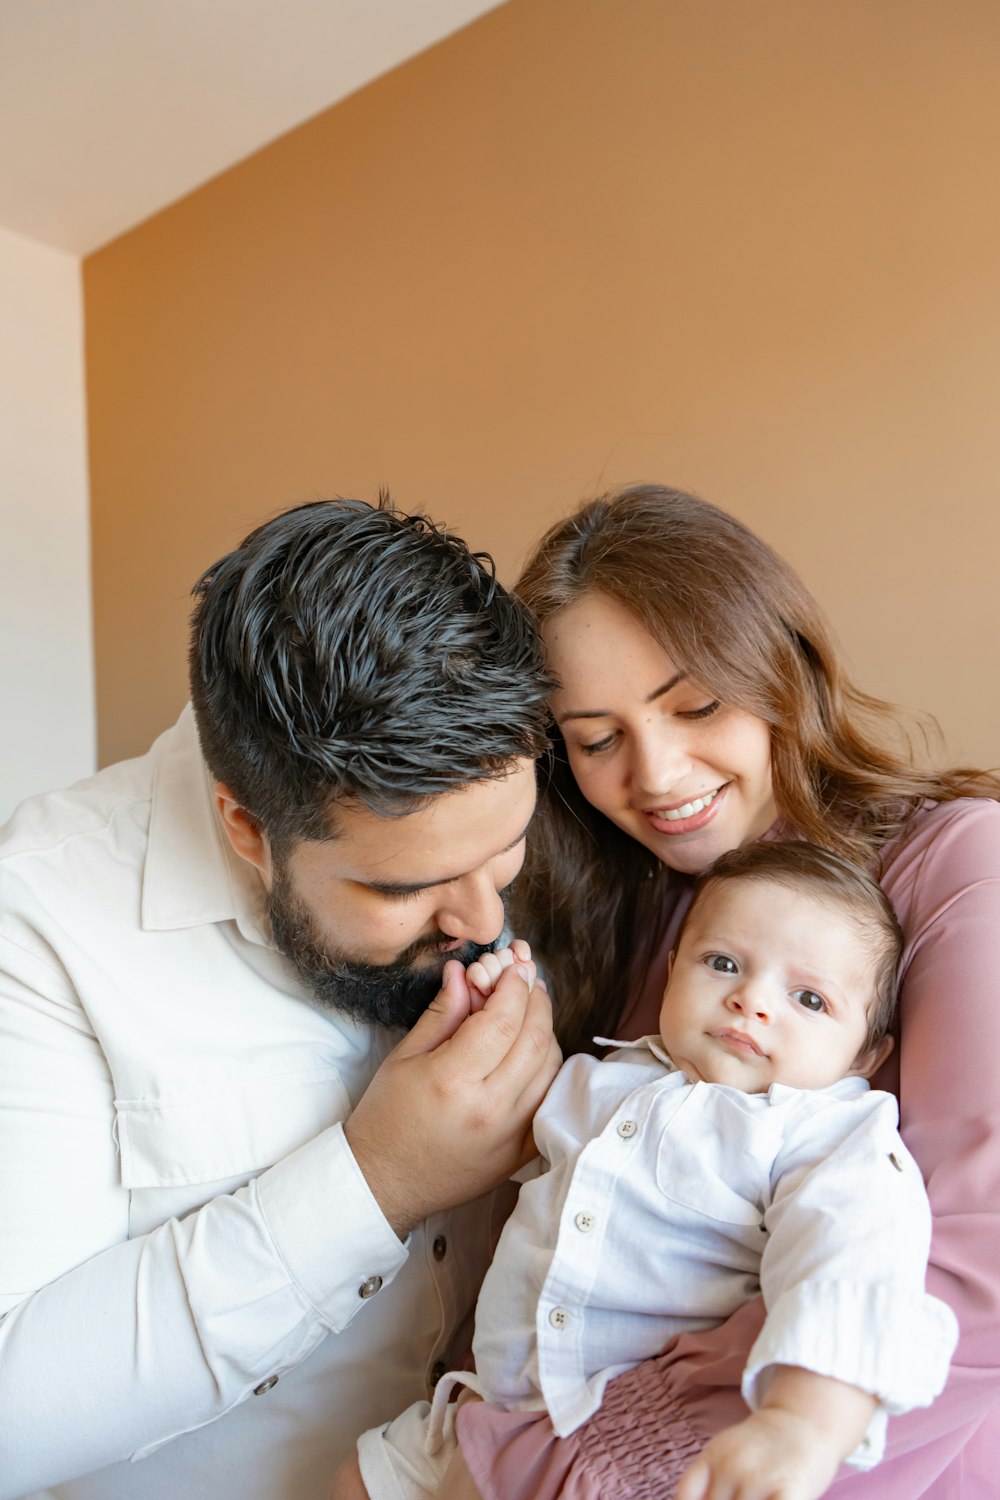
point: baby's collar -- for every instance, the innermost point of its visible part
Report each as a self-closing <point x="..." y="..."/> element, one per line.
<point x="652" y="1044"/>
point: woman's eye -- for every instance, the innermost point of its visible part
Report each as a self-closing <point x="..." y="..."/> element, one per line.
<point x="809" y="1000"/>
<point x="722" y="963"/>
<point x="702" y="713"/>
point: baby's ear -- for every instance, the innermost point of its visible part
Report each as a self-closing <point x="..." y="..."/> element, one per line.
<point x="867" y="1063"/>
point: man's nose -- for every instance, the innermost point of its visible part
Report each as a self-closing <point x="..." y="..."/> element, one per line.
<point x="471" y="909"/>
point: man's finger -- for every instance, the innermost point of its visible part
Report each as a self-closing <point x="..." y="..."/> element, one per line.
<point x="442" y="1018"/>
<point x="530" y="1061"/>
<point x="483" y="1043"/>
<point x="538" y="1082"/>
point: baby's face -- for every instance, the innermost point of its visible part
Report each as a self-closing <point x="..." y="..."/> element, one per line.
<point x="768" y="985"/>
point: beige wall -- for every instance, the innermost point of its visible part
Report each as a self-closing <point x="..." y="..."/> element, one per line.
<point x="46" y="653"/>
<point x="749" y="248"/>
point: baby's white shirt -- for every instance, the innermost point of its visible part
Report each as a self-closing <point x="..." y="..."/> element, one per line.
<point x="663" y="1205"/>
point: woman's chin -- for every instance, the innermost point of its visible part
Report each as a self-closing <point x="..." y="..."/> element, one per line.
<point x="688" y="854"/>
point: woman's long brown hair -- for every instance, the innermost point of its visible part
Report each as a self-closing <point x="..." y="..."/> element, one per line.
<point x="729" y="611"/>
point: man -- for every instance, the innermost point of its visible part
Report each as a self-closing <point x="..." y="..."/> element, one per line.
<point x="225" y="1193"/>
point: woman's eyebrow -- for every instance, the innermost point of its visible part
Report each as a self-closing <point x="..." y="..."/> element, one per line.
<point x="606" y="713"/>
<point x="677" y="677"/>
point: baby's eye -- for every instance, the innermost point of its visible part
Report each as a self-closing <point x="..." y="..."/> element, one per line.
<point x="809" y="1000"/>
<point x="722" y="963"/>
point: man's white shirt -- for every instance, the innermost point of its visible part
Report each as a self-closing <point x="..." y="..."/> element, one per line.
<point x="184" y="1231"/>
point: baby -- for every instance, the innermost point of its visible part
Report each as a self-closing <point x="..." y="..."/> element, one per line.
<point x="740" y="1151"/>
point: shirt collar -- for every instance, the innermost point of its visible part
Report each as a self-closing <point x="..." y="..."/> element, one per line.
<point x="778" y="1093"/>
<point x="652" y="1044"/>
<point x="192" y="877"/>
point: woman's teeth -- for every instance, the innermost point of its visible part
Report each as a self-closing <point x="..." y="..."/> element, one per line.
<point x="674" y="814"/>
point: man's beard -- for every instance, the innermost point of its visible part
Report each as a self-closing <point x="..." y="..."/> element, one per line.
<point x="393" y="995"/>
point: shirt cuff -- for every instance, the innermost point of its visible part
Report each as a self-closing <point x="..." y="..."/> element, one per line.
<point x="894" y="1344"/>
<point x="328" y="1228"/>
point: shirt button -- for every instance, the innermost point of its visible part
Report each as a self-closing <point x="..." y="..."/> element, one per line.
<point x="437" y="1370"/>
<point x="370" y="1287"/>
<point x="585" y="1222"/>
<point x="558" y="1317"/>
<point x="440" y="1247"/>
<point x="627" y="1128"/>
<point x="265" y="1385"/>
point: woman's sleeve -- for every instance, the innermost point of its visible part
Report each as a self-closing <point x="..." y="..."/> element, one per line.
<point x="944" y="882"/>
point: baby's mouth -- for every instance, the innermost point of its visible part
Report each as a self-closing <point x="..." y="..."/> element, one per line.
<point x="740" y="1040"/>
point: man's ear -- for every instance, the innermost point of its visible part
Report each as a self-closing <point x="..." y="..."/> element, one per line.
<point x="244" y="833"/>
<point x="867" y="1063"/>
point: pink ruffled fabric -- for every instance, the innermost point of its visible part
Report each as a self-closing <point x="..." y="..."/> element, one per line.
<point x="648" y="1435"/>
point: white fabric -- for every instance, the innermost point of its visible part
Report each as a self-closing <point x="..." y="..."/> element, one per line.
<point x="406" y="1459"/>
<point x="668" y="1204"/>
<point x="182" y="1218"/>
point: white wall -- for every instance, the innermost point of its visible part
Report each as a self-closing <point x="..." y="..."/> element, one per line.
<point x="47" y="720"/>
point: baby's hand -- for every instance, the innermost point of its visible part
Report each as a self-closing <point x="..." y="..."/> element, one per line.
<point x="773" y="1455"/>
<point x="482" y="975"/>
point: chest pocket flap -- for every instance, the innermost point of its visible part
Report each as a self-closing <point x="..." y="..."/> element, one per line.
<point x="715" y="1156"/>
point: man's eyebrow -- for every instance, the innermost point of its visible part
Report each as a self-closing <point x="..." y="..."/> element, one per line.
<point x="402" y="888"/>
<point x="605" y="713"/>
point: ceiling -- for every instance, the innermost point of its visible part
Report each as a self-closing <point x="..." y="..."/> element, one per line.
<point x="111" y="109"/>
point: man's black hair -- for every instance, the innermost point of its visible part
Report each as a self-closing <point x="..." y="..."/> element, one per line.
<point x="348" y="652"/>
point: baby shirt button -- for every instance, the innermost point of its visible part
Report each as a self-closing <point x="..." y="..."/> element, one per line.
<point x="585" y="1222"/>
<point x="558" y="1317"/>
<point x="265" y="1385"/>
<point x="627" y="1129"/>
<point x="370" y="1287"/>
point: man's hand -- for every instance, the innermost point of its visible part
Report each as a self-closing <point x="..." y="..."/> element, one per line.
<point x="788" y="1450"/>
<point x="448" y="1115"/>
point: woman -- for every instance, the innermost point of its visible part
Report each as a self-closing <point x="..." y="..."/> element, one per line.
<point x="701" y="705"/>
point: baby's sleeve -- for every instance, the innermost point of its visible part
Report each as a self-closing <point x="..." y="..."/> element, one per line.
<point x="844" y="1267"/>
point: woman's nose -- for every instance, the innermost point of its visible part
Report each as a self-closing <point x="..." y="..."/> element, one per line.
<point x="661" y="762"/>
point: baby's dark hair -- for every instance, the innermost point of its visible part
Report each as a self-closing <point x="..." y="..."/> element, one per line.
<point x="796" y="864"/>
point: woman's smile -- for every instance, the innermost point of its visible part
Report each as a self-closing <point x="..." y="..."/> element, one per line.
<point x="689" y="815"/>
